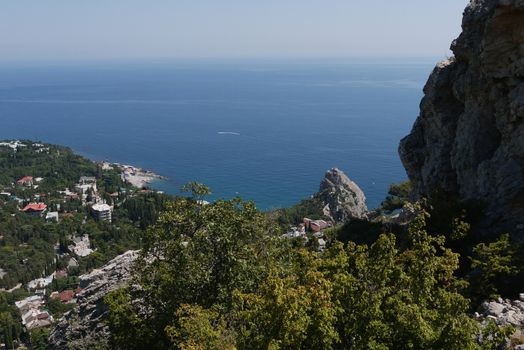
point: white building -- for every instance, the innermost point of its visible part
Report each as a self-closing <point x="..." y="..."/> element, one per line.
<point x="32" y="315"/>
<point x="14" y="145"/>
<point x="295" y="232"/>
<point x="81" y="246"/>
<point x="52" y="215"/>
<point x="40" y="282"/>
<point x="321" y="244"/>
<point x="86" y="184"/>
<point x="32" y="302"/>
<point x="72" y="263"/>
<point x="102" y="212"/>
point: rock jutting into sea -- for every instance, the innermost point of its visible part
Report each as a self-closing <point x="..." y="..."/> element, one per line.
<point x="469" y="138"/>
<point x="341" y="198"/>
<point x="137" y="177"/>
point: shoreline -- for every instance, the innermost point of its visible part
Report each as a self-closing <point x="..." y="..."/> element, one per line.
<point x="135" y="176"/>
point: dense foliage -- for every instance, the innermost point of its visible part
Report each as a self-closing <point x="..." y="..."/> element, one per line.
<point x="59" y="166"/>
<point x="215" y="277"/>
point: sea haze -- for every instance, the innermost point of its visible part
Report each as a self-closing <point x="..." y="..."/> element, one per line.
<point x="265" y="131"/>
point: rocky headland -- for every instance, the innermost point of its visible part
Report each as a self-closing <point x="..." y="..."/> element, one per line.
<point x="341" y="198"/>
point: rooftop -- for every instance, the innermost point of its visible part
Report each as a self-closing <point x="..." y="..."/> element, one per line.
<point x="35" y="207"/>
<point x="101" y="207"/>
<point x="25" y="179"/>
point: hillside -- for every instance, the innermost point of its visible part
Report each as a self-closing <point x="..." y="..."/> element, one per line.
<point x="51" y="231"/>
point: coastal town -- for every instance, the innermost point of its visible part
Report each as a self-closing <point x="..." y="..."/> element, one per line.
<point x="35" y="198"/>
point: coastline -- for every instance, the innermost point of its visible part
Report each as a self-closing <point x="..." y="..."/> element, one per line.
<point x="136" y="176"/>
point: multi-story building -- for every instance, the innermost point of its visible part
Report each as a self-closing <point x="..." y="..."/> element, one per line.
<point x="102" y="212"/>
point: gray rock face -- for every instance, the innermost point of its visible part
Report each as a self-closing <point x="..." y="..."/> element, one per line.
<point x="84" y="327"/>
<point x="504" y="312"/>
<point x="342" y="199"/>
<point x="469" y="137"/>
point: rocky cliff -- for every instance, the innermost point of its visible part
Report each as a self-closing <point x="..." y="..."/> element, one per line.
<point x="84" y="327"/>
<point x="469" y="138"/>
<point x="341" y="198"/>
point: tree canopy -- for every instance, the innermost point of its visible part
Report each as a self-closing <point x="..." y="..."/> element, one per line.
<point x="217" y="277"/>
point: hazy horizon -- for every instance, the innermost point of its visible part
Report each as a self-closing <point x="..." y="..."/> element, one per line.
<point x="132" y="30"/>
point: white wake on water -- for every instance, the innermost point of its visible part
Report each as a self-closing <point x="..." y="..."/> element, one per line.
<point x="228" y="133"/>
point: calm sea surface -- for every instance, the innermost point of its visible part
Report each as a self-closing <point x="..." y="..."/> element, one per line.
<point x="264" y="131"/>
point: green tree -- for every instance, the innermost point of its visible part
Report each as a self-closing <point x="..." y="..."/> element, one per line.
<point x="8" y="328"/>
<point x="293" y="309"/>
<point x="494" y="261"/>
<point x="360" y="297"/>
<point x="398" y="195"/>
<point x="198" y="254"/>
<point x="214" y="277"/>
<point x="123" y="318"/>
<point x="39" y="339"/>
<point x="200" y="329"/>
<point x="402" y="299"/>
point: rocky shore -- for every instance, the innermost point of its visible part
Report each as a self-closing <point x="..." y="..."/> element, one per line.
<point x="133" y="175"/>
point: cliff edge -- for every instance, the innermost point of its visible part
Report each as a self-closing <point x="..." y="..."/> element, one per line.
<point x="469" y="138"/>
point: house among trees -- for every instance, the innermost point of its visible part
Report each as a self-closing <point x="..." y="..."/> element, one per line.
<point x="52" y="216"/>
<point x="60" y="274"/>
<point x="86" y="187"/>
<point x="40" y="282"/>
<point x="25" y="181"/>
<point x="72" y="263"/>
<point x="32" y="314"/>
<point x="87" y="180"/>
<point x="81" y="246"/>
<point x="35" y="318"/>
<point x="35" y="209"/>
<point x="316" y="225"/>
<point x="65" y="297"/>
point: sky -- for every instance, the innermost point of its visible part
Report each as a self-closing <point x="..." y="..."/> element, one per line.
<point x="83" y="30"/>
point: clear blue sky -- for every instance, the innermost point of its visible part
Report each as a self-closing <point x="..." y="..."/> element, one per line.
<point x="40" y="30"/>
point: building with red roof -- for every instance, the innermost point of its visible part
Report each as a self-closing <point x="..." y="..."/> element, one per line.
<point x="26" y="181"/>
<point x="316" y="225"/>
<point x="66" y="296"/>
<point x="35" y="209"/>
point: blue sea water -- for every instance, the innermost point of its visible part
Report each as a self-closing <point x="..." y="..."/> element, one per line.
<point x="266" y="131"/>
